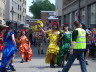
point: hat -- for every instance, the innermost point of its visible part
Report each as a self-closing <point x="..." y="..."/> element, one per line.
<point x="24" y="30"/>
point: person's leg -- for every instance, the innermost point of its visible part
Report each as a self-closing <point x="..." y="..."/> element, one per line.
<point x="0" y="55"/>
<point x="11" y="64"/>
<point x="22" y="56"/>
<point x="42" y="50"/>
<point x="69" y="63"/>
<point x="86" y="57"/>
<point x="52" y="61"/>
<point x="64" y="59"/>
<point x="82" y="62"/>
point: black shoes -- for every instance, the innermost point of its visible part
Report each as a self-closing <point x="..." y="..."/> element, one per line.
<point x="26" y="60"/>
<point x="52" y="64"/>
<point x="12" y="68"/>
<point x="22" y="61"/>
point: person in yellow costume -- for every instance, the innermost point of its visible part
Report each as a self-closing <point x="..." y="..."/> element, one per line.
<point x="53" y="48"/>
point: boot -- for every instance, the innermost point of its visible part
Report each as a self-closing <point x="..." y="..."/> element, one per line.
<point x="12" y="68"/>
<point x="26" y="60"/>
<point x="22" y="61"/>
<point x="42" y="52"/>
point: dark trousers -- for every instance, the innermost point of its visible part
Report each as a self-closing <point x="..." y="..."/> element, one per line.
<point x="80" y="56"/>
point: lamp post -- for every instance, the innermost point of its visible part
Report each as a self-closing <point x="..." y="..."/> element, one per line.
<point x="12" y="11"/>
<point x="79" y="16"/>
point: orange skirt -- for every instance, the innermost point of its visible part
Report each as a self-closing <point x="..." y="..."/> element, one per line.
<point x="24" y="49"/>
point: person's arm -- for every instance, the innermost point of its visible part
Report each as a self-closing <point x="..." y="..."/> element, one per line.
<point x="13" y="39"/>
<point x="74" y="38"/>
<point x="1" y="39"/>
<point x="61" y="27"/>
<point x="42" y="29"/>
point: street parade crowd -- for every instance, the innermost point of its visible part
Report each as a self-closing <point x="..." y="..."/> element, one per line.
<point x="64" y="44"/>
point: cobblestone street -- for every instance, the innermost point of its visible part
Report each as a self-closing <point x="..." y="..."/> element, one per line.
<point x="38" y="65"/>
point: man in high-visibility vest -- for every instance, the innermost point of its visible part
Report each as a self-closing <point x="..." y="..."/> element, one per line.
<point x="77" y="48"/>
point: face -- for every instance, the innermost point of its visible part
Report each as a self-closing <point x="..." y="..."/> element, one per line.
<point x="54" y="27"/>
<point x="73" y="26"/>
<point x="66" y="28"/>
<point x="23" y="33"/>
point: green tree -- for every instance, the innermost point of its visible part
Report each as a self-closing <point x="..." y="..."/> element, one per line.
<point x="39" y="6"/>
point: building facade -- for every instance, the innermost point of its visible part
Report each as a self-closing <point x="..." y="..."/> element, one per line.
<point x="15" y="11"/>
<point x="59" y="5"/>
<point x="2" y="8"/>
<point x="83" y="11"/>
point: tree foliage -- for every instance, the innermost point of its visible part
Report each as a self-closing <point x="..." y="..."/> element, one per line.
<point x="43" y="5"/>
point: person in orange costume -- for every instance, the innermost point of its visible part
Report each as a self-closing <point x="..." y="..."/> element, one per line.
<point x="24" y="48"/>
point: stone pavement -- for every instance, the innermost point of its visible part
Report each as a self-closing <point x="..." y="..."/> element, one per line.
<point x="38" y="65"/>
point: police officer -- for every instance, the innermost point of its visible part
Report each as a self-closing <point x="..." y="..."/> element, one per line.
<point x="77" y="48"/>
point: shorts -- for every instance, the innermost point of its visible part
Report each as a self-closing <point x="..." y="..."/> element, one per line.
<point x="88" y="47"/>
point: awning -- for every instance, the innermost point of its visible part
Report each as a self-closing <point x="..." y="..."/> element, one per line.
<point x="52" y="18"/>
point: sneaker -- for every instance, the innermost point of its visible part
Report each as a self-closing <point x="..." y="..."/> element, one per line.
<point x="87" y="63"/>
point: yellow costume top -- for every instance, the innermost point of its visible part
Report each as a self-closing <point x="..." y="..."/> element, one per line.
<point x="53" y="47"/>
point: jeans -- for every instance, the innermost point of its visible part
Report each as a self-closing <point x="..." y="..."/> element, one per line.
<point x="80" y="56"/>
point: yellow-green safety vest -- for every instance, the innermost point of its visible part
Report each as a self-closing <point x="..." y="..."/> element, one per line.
<point x="81" y="39"/>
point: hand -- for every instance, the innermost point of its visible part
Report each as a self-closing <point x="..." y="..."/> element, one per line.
<point x="71" y="51"/>
<point x="62" y="25"/>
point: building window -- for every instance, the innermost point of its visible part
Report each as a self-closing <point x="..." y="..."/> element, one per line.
<point x="93" y="14"/>
<point x="25" y="2"/>
<point x="18" y="7"/>
<point x="83" y="15"/>
<point x="20" y="0"/>
<point x="23" y="18"/>
<point x="18" y="16"/>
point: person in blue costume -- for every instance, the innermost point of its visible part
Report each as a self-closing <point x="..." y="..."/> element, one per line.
<point x="8" y="52"/>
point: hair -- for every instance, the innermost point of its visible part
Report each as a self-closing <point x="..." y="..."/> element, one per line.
<point x="65" y="25"/>
<point x="22" y="33"/>
<point x="83" y="26"/>
<point x="7" y="31"/>
<point x="56" y="28"/>
<point x="76" y="24"/>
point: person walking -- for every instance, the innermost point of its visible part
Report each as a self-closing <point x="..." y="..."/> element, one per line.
<point x="24" y="48"/>
<point x="65" y="47"/>
<point x="40" y="42"/>
<point x="9" y="50"/>
<point x="77" y="48"/>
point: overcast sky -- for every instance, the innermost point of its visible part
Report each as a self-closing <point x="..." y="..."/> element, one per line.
<point x="29" y="2"/>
